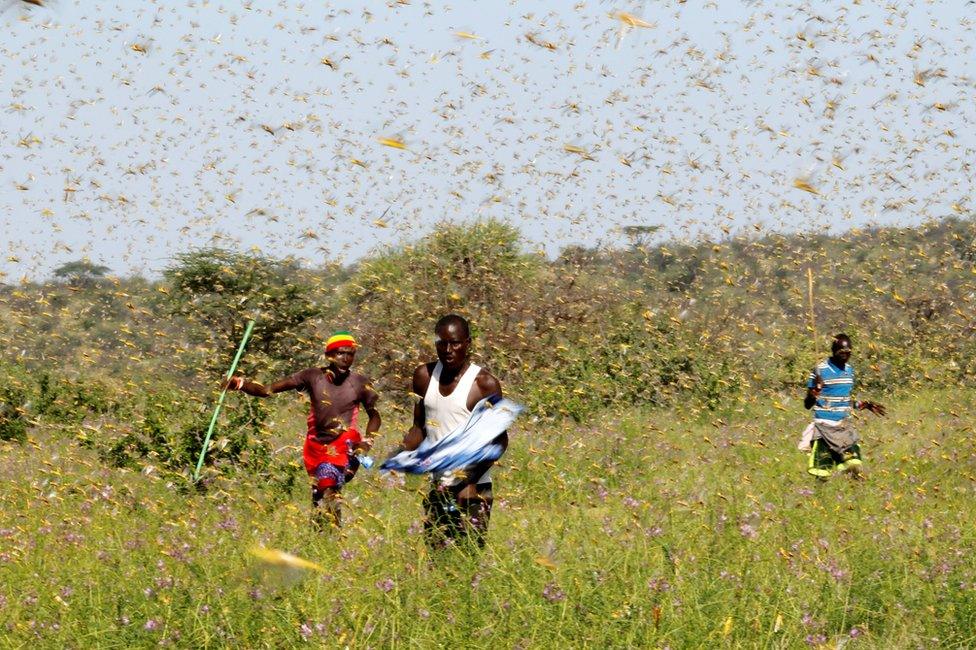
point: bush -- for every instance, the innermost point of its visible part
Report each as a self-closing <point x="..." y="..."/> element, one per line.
<point x="218" y="291"/>
<point x="171" y="430"/>
<point x="568" y="338"/>
<point x="477" y="271"/>
<point x="15" y="400"/>
<point x="68" y="402"/>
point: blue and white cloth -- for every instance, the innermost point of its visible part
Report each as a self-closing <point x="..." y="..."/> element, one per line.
<point x="834" y="402"/>
<point x="469" y="444"/>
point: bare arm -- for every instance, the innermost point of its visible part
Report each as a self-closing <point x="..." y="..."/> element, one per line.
<point x="810" y="399"/>
<point x="370" y="397"/>
<point x="257" y="389"/>
<point x="415" y="435"/>
<point x="486" y="385"/>
<point x="813" y="392"/>
<point x="874" y="407"/>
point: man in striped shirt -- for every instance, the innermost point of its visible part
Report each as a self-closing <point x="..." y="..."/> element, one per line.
<point x="835" y="443"/>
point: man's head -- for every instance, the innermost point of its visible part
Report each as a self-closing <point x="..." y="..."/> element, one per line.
<point x="452" y="338"/>
<point x="840" y="349"/>
<point x="340" y="349"/>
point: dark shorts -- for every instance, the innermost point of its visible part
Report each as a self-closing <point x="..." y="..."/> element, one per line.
<point x="447" y="519"/>
<point x="824" y="461"/>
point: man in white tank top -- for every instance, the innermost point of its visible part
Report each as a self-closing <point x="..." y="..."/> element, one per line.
<point x="459" y="503"/>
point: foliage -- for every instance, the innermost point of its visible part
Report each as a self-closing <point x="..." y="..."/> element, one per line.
<point x="81" y="273"/>
<point x="643" y="528"/>
<point x="478" y="271"/>
<point x="218" y="291"/>
<point x="170" y="429"/>
<point x="15" y="400"/>
<point x="552" y="333"/>
<point x="70" y="401"/>
<point x="676" y="323"/>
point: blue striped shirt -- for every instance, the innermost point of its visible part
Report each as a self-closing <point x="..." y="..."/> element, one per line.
<point x="834" y="402"/>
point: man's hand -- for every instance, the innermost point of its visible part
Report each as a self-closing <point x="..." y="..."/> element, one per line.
<point x="413" y="438"/>
<point x="874" y="407"/>
<point x="813" y="392"/>
<point x="363" y="446"/>
<point x="818" y="384"/>
<point x="234" y="383"/>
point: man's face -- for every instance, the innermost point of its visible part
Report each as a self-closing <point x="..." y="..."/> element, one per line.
<point x="452" y="345"/>
<point x="343" y="357"/>
<point x="842" y="351"/>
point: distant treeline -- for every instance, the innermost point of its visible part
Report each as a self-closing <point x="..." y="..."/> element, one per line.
<point x="699" y="324"/>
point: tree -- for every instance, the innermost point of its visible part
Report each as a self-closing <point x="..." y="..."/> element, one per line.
<point x="219" y="290"/>
<point x="477" y="270"/>
<point x="81" y="273"/>
<point x="639" y="235"/>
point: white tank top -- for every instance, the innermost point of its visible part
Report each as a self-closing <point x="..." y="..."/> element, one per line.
<point x="445" y="413"/>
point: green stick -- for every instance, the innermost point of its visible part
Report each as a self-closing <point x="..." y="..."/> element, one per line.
<point x="220" y="401"/>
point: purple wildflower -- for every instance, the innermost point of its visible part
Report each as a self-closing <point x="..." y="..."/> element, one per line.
<point x="658" y="584"/>
<point x="552" y="593"/>
<point x="748" y="531"/>
<point x="654" y="531"/>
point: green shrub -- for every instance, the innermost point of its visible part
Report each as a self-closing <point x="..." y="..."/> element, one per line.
<point x="15" y="400"/>
<point x="170" y="429"/>
<point x="219" y="290"/>
<point x="70" y="401"/>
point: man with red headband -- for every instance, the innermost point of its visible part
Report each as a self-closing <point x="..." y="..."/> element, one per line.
<point x="333" y="438"/>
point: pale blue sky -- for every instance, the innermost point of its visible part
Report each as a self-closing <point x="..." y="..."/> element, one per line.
<point x="153" y="116"/>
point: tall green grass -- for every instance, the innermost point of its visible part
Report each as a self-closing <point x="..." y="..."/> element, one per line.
<point x="638" y="529"/>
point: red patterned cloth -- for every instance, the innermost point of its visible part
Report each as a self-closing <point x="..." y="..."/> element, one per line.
<point x="336" y="453"/>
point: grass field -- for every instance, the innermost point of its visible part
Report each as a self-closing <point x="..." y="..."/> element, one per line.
<point x="642" y="529"/>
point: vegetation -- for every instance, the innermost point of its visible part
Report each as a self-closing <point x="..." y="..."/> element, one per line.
<point x="217" y="291"/>
<point x="651" y="497"/>
<point x="652" y="529"/>
<point x="81" y="273"/>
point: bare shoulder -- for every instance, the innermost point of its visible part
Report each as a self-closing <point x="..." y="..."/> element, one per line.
<point x="298" y="381"/>
<point x="421" y="377"/>
<point x="487" y="384"/>
<point x="362" y="381"/>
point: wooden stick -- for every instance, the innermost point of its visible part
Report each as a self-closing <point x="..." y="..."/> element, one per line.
<point x="813" y="322"/>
